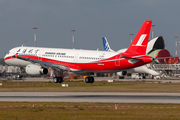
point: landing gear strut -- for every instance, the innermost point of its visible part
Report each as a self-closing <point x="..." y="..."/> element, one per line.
<point x="58" y="80"/>
<point x="89" y="79"/>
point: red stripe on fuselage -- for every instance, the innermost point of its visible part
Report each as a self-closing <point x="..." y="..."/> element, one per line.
<point x="102" y="65"/>
<point x="7" y="58"/>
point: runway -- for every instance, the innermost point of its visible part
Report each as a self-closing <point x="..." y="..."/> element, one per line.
<point x="104" y="97"/>
<point x="29" y="79"/>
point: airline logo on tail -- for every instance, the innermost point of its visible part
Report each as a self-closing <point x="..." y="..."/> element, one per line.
<point x="141" y="39"/>
<point x="139" y="44"/>
<point x="106" y="44"/>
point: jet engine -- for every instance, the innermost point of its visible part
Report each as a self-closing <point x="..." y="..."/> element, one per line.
<point x="32" y="69"/>
<point x="122" y="73"/>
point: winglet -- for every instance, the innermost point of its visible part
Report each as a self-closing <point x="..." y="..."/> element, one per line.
<point x="139" y="44"/>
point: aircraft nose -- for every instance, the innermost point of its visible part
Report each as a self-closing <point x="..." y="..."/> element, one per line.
<point x="6" y="58"/>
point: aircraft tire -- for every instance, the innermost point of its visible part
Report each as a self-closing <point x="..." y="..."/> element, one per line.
<point x="87" y="79"/>
<point x="60" y="79"/>
<point x="56" y="79"/>
<point x="120" y="77"/>
<point x="91" y="79"/>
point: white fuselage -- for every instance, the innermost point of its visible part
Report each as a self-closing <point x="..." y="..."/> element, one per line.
<point x="66" y="55"/>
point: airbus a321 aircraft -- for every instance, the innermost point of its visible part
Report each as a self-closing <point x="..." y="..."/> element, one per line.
<point x="37" y="60"/>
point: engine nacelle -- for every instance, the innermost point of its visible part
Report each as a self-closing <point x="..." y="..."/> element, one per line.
<point x="122" y="73"/>
<point x="32" y="69"/>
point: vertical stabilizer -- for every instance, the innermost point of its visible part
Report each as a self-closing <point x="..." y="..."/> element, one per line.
<point x="106" y="45"/>
<point x="139" y="44"/>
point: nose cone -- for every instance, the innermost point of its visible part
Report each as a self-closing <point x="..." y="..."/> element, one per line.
<point x="7" y="58"/>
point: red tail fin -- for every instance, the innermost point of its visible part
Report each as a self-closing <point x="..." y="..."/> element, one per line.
<point x="139" y="44"/>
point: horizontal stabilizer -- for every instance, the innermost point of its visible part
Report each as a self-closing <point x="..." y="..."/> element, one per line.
<point x="130" y="57"/>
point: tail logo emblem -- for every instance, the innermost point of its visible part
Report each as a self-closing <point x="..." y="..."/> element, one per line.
<point x="141" y="39"/>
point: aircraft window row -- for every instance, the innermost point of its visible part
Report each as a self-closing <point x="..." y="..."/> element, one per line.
<point x="91" y="58"/>
<point x="63" y="56"/>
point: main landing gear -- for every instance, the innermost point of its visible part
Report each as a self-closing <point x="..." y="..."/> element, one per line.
<point x="89" y="79"/>
<point x="58" y="80"/>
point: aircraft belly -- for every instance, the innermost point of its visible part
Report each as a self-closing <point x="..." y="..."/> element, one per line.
<point x="107" y="66"/>
<point x="103" y="66"/>
<point x="17" y="62"/>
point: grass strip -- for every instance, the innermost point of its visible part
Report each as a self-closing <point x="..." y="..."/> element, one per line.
<point x="88" y="111"/>
<point x="102" y="86"/>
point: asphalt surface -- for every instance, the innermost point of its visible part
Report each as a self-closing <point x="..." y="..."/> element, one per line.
<point x="31" y="79"/>
<point x="104" y="97"/>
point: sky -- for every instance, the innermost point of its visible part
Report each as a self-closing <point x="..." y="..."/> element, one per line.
<point x="92" y="20"/>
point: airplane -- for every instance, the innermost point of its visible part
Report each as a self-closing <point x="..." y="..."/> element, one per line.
<point x="141" y="69"/>
<point x="38" y="60"/>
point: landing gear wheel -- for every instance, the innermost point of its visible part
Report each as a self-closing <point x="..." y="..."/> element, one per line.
<point x="91" y="79"/>
<point x="120" y="77"/>
<point x="60" y="79"/>
<point x="87" y="80"/>
<point x="56" y="79"/>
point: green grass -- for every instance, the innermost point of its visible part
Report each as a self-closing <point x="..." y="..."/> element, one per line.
<point x="103" y="86"/>
<point x="77" y="111"/>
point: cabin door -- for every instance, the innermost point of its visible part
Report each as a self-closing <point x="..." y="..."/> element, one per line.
<point x="117" y="60"/>
<point x="40" y="55"/>
<point x="76" y="57"/>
